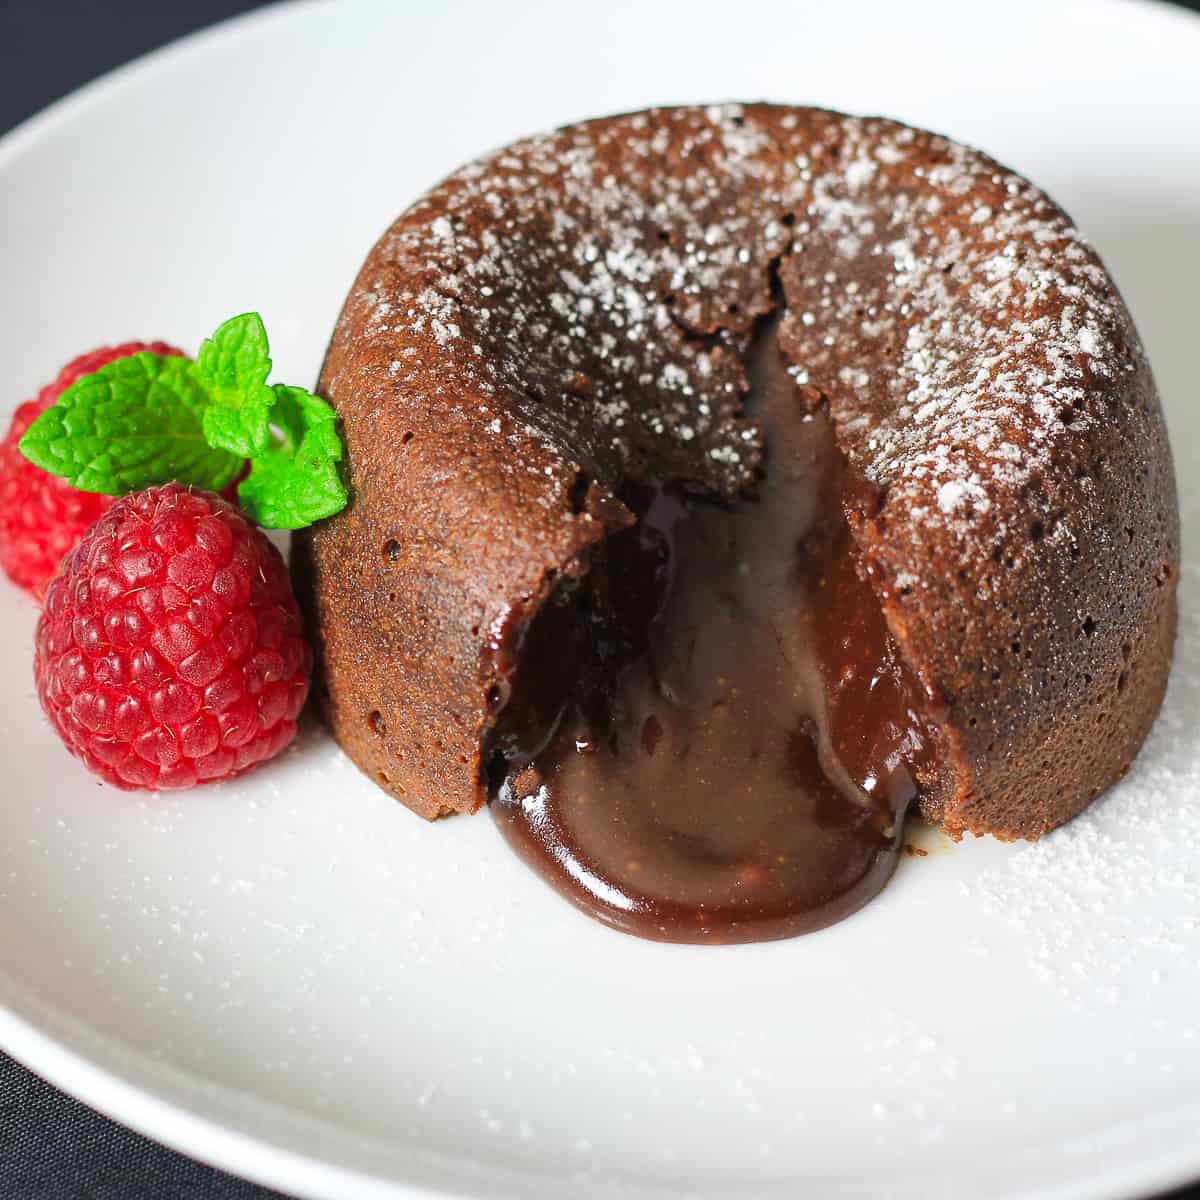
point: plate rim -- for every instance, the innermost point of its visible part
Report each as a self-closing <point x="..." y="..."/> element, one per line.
<point x="112" y="1091"/>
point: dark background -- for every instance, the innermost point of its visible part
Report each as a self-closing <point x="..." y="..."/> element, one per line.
<point x="51" y="1147"/>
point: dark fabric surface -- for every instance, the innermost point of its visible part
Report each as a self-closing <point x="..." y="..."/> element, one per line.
<point x="52" y="1147"/>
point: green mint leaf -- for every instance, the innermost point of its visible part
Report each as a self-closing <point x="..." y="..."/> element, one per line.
<point x="132" y="424"/>
<point x="238" y="356"/>
<point x="233" y="366"/>
<point x="296" y="482"/>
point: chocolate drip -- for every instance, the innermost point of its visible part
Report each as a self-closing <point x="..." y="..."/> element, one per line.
<point x="713" y="737"/>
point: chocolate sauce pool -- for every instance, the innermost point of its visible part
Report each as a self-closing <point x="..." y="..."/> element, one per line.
<point x="713" y="738"/>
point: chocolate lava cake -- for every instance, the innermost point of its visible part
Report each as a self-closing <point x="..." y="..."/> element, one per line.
<point x="725" y="481"/>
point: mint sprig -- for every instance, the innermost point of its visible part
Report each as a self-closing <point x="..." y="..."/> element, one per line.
<point x="150" y="418"/>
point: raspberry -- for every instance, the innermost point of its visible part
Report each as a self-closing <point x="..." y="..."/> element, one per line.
<point x="170" y="650"/>
<point x="41" y="515"/>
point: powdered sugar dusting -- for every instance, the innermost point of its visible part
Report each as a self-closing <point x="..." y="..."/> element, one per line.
<point x="599" y="297"/>
<point x="978" y="296"/>
<point x="966" y="284"/>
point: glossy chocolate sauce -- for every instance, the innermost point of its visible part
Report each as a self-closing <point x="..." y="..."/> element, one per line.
<point x="736" y="750"/>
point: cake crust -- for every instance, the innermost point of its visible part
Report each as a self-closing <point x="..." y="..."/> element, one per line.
<point x="570" y="313"/>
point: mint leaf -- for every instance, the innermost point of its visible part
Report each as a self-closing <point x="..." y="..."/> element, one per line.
<point x="134" y="423"/>
<point x="238" y="356"/>
<point x="296" y="482"/>
<point x="148" y="419"/>
<point x="233" y="366"/>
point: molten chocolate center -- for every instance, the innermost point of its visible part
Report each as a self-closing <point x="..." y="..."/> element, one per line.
<point x="714" y="738"/>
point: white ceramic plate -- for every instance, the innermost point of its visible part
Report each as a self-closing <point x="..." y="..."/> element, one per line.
<point x="294" y="978"/>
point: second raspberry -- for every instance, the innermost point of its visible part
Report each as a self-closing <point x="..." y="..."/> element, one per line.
<point x="171" y="650"/>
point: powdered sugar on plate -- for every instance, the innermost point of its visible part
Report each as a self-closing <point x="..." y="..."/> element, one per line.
<point x="1110" y="903"/>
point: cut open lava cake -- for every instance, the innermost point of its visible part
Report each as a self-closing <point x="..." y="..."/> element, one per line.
<point x="725" y="482"/>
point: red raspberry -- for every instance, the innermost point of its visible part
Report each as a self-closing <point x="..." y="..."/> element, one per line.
<point x="170" y="650"/>
<point x="41" y="515"/>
